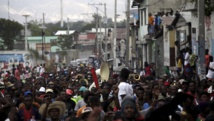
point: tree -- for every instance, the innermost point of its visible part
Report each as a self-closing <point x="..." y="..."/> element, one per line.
<point x="34" y="54"/>
<point x="209" y="6"/>
<point x="77" y="26"/>
<point x="9" y="31"/>
<point x="33" y="26"/>
<point x="88" y="27"/>
<point x="65" y="41"/>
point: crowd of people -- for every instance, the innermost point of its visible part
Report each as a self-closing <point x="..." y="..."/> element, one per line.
<point x="66" y="95"/>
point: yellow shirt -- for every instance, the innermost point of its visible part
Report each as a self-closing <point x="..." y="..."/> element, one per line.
<point x="179" y="63"/>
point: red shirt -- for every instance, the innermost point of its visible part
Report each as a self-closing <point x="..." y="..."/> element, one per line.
<point x="207" y="60"/>
<point x="27" y="114"/>
<point x="148" y="71"/>
<point x="17" y="74"/>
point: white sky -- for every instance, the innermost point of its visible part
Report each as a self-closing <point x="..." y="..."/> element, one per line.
<point x="74" y="9"/>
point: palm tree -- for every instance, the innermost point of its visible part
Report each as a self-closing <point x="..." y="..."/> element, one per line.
<point x="34" y="55"/>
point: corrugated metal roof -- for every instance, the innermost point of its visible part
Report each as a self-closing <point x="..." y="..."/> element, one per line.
<point x="83" y="37"/>
<point x="167" y="20"/>
<point x="64" y="32"/>
<point x="39" y="38"/>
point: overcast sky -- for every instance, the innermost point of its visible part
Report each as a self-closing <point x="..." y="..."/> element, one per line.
<point x="72" y="9"/>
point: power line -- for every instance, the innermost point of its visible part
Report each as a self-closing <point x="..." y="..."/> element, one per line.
<point x="154" y="3"/>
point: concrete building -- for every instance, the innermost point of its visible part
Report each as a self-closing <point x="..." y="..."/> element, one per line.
<point x="147" y="45"/>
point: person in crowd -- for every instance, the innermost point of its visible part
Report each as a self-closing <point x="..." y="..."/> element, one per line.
<point x="147" y="100"/>
<point x="140" y="98"/>
<point x="28" y="112"/>
<point x="204" y="111"/>
<point x="151" y="24"/>
<point x="207" y="60"/>
<point x="13" y="69"/>
<point x="210" y="116"/>
<point x="128" y="111"/>
<point x="121" y="98"/>
<point x="70" y="104"/>
<point x="17" y="73"/>
<point x="179" y="64"/>
<point x="85" y="113"/>
<point x="192" y="61"/>
<point x="186" y="72"/>
<point x="82" y="92"/>
<point x="86" y="100"/>
<point x="157" y="22"/>
<point x="52" y="111"/>
<point x="210" y="74"/>
<point x="124" y="87"/>
<point x="147" y="69"/>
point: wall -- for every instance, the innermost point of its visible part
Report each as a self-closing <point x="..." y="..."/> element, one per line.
<point x="160" y="56"/>
<point x="164" y="5"/>
<point x="212" y="40"/>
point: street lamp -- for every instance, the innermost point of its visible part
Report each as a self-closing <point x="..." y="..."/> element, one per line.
<point x="26" y="16"/>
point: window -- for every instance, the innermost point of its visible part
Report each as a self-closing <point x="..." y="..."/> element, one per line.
<point x="145" y="17"/>
<point x="141" y="17"/>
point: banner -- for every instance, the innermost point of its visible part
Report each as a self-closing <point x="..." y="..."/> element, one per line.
<point x="94" y="77"/>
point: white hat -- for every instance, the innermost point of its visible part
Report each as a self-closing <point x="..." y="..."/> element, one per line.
<point x="49" y="90"/>
<point x="181" y="81"/>
<point x="179" y="90"/>
<point x="41" y="89"/>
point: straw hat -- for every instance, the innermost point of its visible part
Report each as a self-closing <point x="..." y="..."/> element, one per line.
<point x="55" y="105"/>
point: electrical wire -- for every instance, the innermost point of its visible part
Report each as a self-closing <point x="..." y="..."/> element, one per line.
<point x="154" y="3"/>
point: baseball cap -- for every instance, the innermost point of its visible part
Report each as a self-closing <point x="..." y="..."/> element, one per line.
<point x="82" y="89"/>
<point x="27" y="93"/>
<point x="68" y="92"/>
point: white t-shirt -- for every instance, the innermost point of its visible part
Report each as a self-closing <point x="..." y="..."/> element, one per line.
<point x="142" y="73"/>
<point x="186" y="59"/>
<point x="124" y="89"/>
<point x="80" y="104"/>
<point x="210" y="73"/>
<point x="37" y="69"/>
<point x="42" y="70"/>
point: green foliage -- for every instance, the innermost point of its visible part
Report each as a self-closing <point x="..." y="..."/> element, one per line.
<point x="209" y="7"/>
<point x="35" y="29"/>
<point x="65" y="41"/>
<point x="34" y="54"/>
<point x="88" y="27"/>
<point x="9" y="31"/>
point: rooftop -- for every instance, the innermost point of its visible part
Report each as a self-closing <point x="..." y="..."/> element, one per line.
<point x="39" y="38"/>
<point x="64" y="32"/>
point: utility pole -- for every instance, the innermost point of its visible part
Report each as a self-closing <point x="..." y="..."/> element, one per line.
<point x="68" y="26"/>
<point x="201" y="39"/>
<point x="96" y="22"/>
<point x="105" y="25"/>
<point x="96" y="41"/>
<point x="26" y="16"/>
<point x="43" y="34"/>
<point x="61" y="12"/>
<point x="100" y="41"/>
<point x="115" y="34"/>
<point x="106" y="41"/>
<point x="8" y="4"/>
<point x="127" y="34"/>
